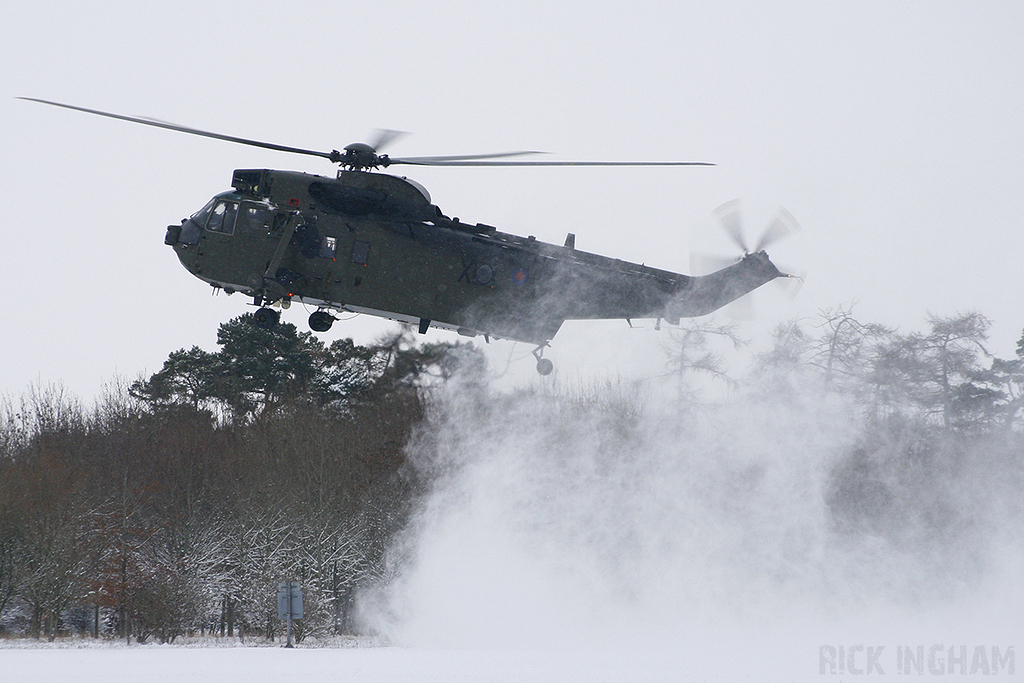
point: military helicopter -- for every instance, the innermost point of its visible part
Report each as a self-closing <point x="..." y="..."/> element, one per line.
<point x="371" y="242"/>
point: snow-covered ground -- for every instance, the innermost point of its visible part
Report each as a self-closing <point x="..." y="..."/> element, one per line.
<point x="774" y="652"/>
<point x="167" y="664"/>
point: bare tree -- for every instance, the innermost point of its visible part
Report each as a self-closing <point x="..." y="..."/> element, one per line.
<point x="843" y="347"/>
<point x="691" y="353"/>
<point x="935" y="375"/>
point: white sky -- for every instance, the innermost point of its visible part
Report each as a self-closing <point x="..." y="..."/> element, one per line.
<point x="892" y="131"/>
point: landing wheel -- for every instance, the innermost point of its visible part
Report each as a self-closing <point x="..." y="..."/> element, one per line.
<point x="544" y="366"/>
<point x="266" y="318"/>
<point x="320" y="321"/>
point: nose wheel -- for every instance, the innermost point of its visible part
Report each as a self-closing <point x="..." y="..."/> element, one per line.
<point x="544" y="366"/>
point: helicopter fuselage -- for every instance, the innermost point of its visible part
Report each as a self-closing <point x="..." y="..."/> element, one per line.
<point x="374" y="243"/>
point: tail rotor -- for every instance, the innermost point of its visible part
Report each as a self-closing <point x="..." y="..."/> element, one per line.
<point x="730" y="220"/>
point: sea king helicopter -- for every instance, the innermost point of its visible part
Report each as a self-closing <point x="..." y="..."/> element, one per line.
<point x="371" y="242"/>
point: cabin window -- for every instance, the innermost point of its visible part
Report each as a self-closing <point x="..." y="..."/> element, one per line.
<point x="222" y="218"/>
<point x="256" y="218"/>
<point x="328" y="247"/>
<point x="360" y="253"/>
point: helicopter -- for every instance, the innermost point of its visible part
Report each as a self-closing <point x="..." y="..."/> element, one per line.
<point x="370" y="242"/>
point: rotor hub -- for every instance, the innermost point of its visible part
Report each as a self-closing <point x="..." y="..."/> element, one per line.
<point x="360" y="156"/>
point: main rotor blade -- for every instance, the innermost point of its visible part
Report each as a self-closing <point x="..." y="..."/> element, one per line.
<point x="192" y="131"/>
<point x="447" y="160"/>
<point x="469" y="161"/>
<point x="384" y="138"/>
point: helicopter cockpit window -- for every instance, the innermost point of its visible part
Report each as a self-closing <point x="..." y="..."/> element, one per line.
<point x="222" y="218"/>
<point x="202" y="214"/>
<point x="256" y="218"/>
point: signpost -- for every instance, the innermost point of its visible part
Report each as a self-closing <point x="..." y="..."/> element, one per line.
<point x="289" y="604"/>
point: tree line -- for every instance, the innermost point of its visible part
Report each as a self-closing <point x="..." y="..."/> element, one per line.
<point x="938" y="462"/>
<point x="177" y="502"/>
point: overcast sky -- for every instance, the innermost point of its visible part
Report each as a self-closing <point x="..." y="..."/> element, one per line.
<point x="891" y="131"/>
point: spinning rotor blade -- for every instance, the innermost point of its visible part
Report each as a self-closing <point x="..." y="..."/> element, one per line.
<point x="731" y="219"/>
<point x="702" y="263"/>
<point x="191" y="131"/>
<point x="791" y="282"/>
<point x="782" y="226"/>
<point x="385" y="136"/>
<point x="791" y="285"/>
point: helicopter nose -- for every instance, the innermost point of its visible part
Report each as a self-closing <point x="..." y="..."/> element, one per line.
<point x="173" y="233"/>
<point x="185" y="234"/>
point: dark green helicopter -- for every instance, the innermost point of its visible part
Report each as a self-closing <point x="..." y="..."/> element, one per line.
<point x="369" y="242"/>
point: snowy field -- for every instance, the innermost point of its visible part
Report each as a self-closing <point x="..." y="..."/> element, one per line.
<point x="775" y="652"/>
<point x="159" y="664"/>
<point x="166" y="664"/>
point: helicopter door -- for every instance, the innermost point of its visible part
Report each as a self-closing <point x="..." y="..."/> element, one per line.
<point x="216" y="259"/>
<point x="237" y="242"/>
